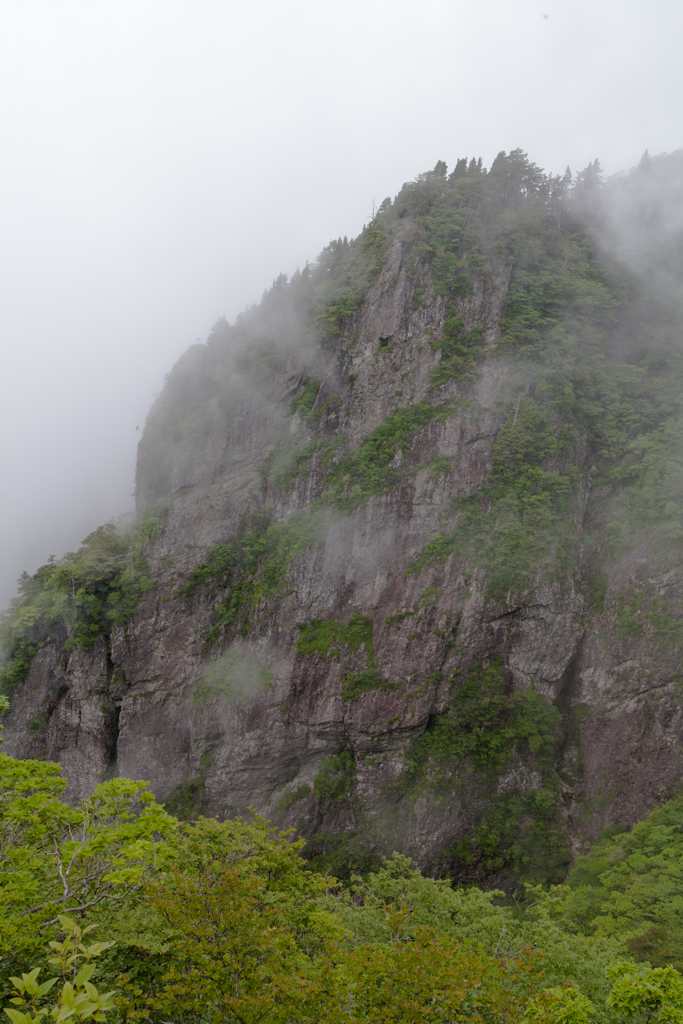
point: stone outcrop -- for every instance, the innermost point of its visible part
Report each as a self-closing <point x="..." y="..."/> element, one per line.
<point x="296" y="744"/>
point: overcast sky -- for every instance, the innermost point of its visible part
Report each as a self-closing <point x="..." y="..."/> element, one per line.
<point x="163" y="160"/>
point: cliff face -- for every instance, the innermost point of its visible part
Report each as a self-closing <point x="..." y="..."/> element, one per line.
<point x="403" y="591"/>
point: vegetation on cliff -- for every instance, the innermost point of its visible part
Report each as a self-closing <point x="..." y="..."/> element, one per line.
<point x="480" y="735"/>
<point x="595" y="388"/>
<point x="584" y="463"/>
<point x="78" y="598"/>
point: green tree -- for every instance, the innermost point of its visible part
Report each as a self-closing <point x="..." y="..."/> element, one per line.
<point x="647" y="993"/>
<point x="56" y="859"/>
<point x="630" y="888"/>
<point x="560" y="1005"/>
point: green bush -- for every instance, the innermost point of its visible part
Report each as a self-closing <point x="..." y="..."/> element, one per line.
<point x="336" y="778"/>
<point x="460" y="351"/>
<point x="355" y="684"/>
<point x="326" y="638"/>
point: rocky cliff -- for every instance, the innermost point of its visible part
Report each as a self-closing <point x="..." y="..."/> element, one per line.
<point x="407" y="573"/>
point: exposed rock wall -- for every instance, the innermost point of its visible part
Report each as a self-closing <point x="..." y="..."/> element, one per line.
<point x="301" y="748"/>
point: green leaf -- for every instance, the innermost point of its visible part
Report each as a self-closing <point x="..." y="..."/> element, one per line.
<point x="85" y="974"/>
<point x="17" y="1017"/>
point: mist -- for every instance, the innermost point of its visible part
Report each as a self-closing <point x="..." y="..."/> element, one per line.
<point x="164" y="162"/>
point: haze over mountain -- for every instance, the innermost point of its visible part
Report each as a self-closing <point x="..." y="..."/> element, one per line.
<point x="407" y="571"/>
<point x="162" y="162"/>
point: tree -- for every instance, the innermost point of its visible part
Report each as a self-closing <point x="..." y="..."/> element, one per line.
<point x="560" y="1005"/>
<point x="647" y="993"/>
<point x="246" y="926"/>
<point x="630" y="887"/>
<point x="56" y="859"/>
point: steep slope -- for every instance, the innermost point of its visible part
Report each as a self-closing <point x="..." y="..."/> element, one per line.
<point x="407" y="574"/>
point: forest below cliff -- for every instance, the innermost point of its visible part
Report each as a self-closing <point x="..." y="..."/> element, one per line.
<point x="406" y="579"/>
<point x="134" y="915"/>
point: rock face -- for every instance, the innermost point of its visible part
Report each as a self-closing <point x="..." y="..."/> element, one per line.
<point x="371" y="697"/>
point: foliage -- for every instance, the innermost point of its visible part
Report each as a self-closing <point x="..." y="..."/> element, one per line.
<point x="344" y="274"/>
<point x="646" y="993"/>
<point x="55" y="859"/>
<point x="336" y="778"/>
<point x="630" y="886"/>
<point x="341" y="855"/>
<point x="78" y="997"/>
<point x="647" y="484"/>
<point x="372" y="468"/>
<point x="411" y="981"/>
<point x="560" y="1005"/>
<point x="152" y="522"/>
<point x="304" y="400"/>
<point x="485" y="731"/>
<point x="289" y="462"/>
<point x="519" y="521"/>
<point x="187" y="801"/>
<point x="253" y="566"/>
<point x="519" y="831"/>
<point x="487" y="726"/>
<point x="460" y="351"/>
<point x="77" y="598"/>
<point x="355" y="684"/>
<point x="291" y="797"/>
<point x="254" y="934"/>
<point x="559" y="303"/>
<point x="252" y="950"/>
<point x="226" y="922"/>
<point x="326" y="638"/>
<point x="394" y="902"/>
<point x="242" y="916"/>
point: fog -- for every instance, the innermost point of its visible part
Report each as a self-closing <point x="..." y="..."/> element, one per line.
<point x="164" y="161"/>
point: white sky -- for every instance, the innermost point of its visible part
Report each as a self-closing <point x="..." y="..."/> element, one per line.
<point x="163" y="160"/>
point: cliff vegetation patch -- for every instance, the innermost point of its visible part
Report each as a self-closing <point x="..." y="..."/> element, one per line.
<point x="372" y="468"/>
<point x="78" y="598"/>
<point x="460" y="351"/>
<point x="327" y="638"/>
<point x="336" y="779"/>
<point x="519" y="521"/>
<point x="486" y="734"/>
<point x="355" y="684"/>
<point x="253" y="566"/>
